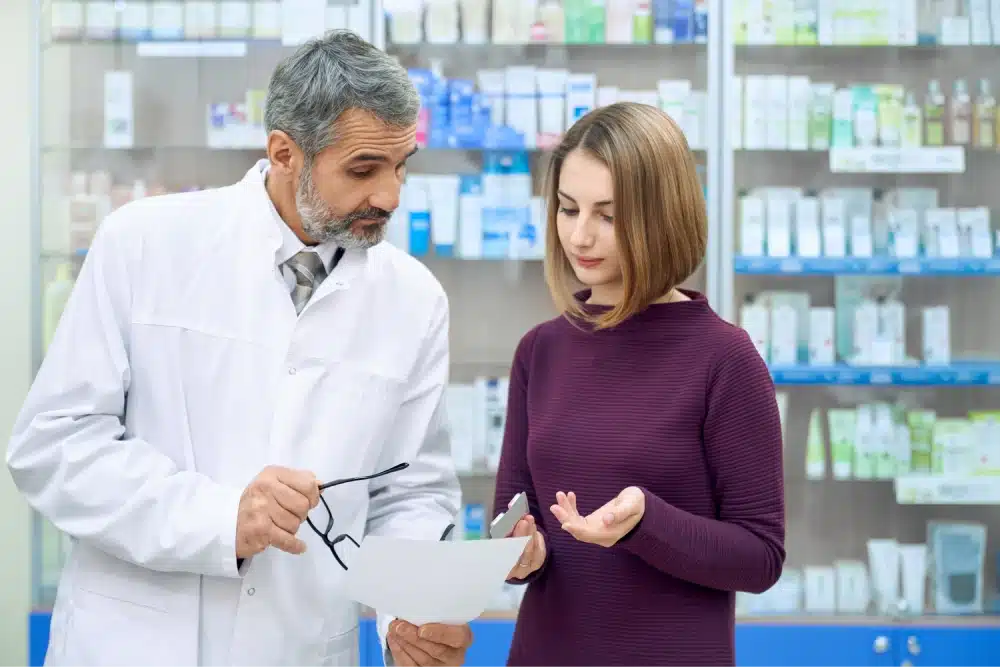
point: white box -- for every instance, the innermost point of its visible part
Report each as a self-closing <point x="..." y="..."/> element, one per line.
<point x="756" y="110"/>
<point x="822" y="351"/>
<point x="821" y="590"/>
<point x="779" y="227"/>
<point x="756" y="321"/>
<point x="979" y="18"/>
<point x="904" y="226"/>
<point x="752" y="226"/>
<point x="861" y="236"/>
<point x="834" y="227"/>
<point x="119" y="120"/>
<point x="865" y="332"/>
<point x="974" y="228"/>
<point x="808" y="239"/>
<point x="673" y="94"/>
<point x="799" y="99"/>
<point x="784" y="330"/>
<point x="942" y="226"/>
<point x="777" y="109"/>
<point x="522" y="102"/>
<point x="937" y="335"/>
<point x="581" y="96"/>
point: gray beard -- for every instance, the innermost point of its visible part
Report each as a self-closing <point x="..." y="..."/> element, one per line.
<point x="324" y="226"/>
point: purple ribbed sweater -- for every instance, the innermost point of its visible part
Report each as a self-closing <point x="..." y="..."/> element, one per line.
<point x="677" y="402"/>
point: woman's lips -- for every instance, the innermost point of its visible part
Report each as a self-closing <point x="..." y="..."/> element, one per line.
<point x="588" y="262"/>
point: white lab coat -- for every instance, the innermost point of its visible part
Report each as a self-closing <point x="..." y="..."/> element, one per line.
<point x="178" y="372"/>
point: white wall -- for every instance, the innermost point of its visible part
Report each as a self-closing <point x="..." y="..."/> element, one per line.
<point x="16" y="73"/>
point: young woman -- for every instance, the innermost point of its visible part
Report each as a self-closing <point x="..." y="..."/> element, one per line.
<point x="642" y="427"/>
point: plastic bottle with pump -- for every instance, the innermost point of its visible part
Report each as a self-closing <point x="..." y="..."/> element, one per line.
<point x="934" y="105"/>
<point x="912" y="130"/>
<point x="985" y="117"/>
<point x="960" y="114"/>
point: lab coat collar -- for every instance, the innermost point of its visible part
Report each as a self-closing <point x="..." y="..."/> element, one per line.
<point x="258" y="209"/>
<point x="291" y="244"/>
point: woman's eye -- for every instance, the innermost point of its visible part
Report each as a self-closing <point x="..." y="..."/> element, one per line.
<point x="608" y="218"/>
<point x="567" y="211"/>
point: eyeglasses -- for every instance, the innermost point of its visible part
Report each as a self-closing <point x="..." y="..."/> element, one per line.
<point x="324" y="535"/>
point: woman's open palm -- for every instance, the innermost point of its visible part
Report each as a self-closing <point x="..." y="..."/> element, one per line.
<point x="605" y="525"/>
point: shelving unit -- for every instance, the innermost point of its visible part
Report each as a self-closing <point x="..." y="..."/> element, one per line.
<point x="176" y="103"/>
<point x="845" y="213"/>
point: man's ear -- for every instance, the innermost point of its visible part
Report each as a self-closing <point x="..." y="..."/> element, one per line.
<point x="284" y="154"/>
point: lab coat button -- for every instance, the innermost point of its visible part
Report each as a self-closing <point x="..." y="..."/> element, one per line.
<point x="291" y="371"/>
<point x="251" y="591"/>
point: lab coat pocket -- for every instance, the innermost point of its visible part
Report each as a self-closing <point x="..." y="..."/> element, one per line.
<point x="352" y="420"/>
<point x="342" y="649"/>
<point x="108" y="630"/>
<point x="124" y="614"/>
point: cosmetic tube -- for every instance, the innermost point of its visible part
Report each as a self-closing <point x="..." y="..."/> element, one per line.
<point x="883" y="557"/>
<point x="443" y="192"/>
<point x="913" y="561"/>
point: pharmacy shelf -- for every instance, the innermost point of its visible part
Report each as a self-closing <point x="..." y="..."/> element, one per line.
<point x="944" y="490"/>
<point x="258" y="147"/>
<point x="879" y="160"/>
<point x="887" y="160"/>
<point x="959" y="374"/>
<point x="870" y="266"/>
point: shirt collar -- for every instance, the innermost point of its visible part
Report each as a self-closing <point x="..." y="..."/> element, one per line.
<point x="291" y="245"/>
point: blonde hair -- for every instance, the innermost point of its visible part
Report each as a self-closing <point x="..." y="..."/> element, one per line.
<point x="661" y="223"/>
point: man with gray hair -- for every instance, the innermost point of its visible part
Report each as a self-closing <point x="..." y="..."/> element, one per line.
<point x="234" y="363"/>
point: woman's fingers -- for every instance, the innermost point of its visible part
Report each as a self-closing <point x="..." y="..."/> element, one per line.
<point x="561" y="515"/>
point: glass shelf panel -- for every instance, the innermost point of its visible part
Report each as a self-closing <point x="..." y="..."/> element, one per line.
<point x="927" y="240"/>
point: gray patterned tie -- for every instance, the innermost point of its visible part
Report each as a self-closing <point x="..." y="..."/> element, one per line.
<point x="307" y="266"/>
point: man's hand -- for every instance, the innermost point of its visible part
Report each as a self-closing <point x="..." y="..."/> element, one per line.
<point x="605" y="525"/>
<point x="533" y="555"/>
<point x="431" y="644"/>
<point x="272" y="508"/>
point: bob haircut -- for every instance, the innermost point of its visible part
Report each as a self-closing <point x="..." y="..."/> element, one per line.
<point x="661" y="223"/>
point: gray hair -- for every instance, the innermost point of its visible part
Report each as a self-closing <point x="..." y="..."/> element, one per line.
<point x="329" y="75"/>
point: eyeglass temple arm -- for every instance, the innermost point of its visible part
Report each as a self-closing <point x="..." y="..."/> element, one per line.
<point x="347" y="480"/>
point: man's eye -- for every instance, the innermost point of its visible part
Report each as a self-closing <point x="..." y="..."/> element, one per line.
<point x="361" y="173"/>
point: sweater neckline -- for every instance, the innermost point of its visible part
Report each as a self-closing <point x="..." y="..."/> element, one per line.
<point x="697" y="303"/>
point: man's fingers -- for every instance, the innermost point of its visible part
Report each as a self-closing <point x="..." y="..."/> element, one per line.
<point x="399" y="653"/>
<point x="455" y="636"/>
<point x="417" y="653"/>
<point x="423" y="651"/>
<point x="285" y="520"/>
<point x="292" y="500"/>
<point x="302" y="481"/>
<point x="286" y="542"/>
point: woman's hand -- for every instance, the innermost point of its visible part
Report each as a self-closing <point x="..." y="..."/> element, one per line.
<point x="607" y="524"/>
<point x="533" y="555"/>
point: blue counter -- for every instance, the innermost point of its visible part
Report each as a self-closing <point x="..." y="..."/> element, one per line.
<point x="779" y="642"/>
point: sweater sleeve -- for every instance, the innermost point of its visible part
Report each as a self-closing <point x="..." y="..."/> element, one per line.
<point x="514" y="471"/>
<point x="742" y="549"/>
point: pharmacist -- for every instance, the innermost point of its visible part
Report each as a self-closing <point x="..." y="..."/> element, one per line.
<point x="223" y="354"/>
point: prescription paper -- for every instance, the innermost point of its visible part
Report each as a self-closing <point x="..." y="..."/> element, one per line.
<point x="425" y="581"/>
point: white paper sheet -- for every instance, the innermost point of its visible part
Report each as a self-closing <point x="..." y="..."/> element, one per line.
<point x="428" y="581"/>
